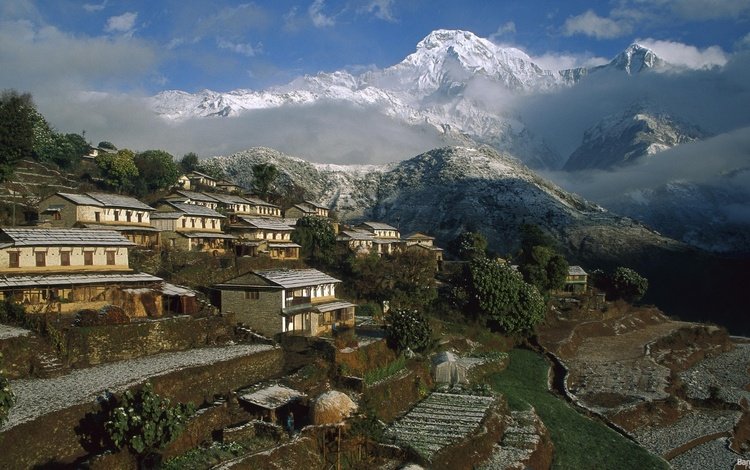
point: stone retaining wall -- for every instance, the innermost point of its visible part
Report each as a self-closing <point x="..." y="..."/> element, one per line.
<point x="54" y="438"/>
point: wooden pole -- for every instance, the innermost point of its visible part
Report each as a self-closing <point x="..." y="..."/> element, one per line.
<point x="338" y="452"/>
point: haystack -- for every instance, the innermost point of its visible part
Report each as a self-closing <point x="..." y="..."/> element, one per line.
<point x="332" y="407"/>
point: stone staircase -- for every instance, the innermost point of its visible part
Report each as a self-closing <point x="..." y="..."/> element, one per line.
<point x="46" y="362"/>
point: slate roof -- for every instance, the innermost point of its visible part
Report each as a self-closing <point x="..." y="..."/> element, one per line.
<point x="272" y="397"/>
<point x="230" y="199"/>
<point x="74" y="279"/>
<point x="419" y="236"/>
<point x="106" y="200"/>
<point x="291" y="278"/>
<point x="378" y="226"/>
<point x="121" y="228"/>
<point x="267" y="224"/>
<point x="259" y="202"/>
<point x="166" y="215"/>
<point x="195" y="210"/>
<point x="355" y="235"/>
<point x="62" y="237"/>
<point x="576" y="271"/>
<point x="216" y="235"/>
<point x="196" y="196"/>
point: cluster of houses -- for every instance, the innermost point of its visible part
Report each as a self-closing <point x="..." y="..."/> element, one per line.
<point x="78" y="256"/>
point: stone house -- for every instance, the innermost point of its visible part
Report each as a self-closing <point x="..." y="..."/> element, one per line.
<point x="576" y="280"/>
<point x="293" y="301"/>
<point x="422" y="242"/>
<point x="192" y="197"/>
<point x="385" y="238"/>
<point x="190" y="227"/>
<point x="227" y="187"/>
<point x="65" y="270"/>
<point x="261" y="208"/>
<point x="306" y="208"/>
<point x="196" y="180"/>
<point x="359" y="241"/>
<point x="127" y="215"/>
<point x="257" y="235"/>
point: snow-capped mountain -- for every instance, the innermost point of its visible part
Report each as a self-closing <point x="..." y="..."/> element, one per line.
<point x="448" y="190"/>
<point x="624" y="138"/>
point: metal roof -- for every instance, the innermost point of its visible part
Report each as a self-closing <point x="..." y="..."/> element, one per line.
<point x="378" y="226"/>
<point x="331" y="306"/>
<point x="283" y="245"/>
<point x="267" y="224"/>
<point x="172" y="289"/>
<point x="194" y="209"/>
<point x="74" y="279"/>
<point x="118" y="200"/>
<point x="122" y="228"/>
<point x="65" y="237"/>
<point x="291" y="278"/>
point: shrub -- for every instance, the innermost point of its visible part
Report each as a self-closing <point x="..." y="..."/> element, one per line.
<point x="628" y="284"/>
<point x="408" y="329"/>
<point x="145" y="422"/>
<point x="7" y="397"/>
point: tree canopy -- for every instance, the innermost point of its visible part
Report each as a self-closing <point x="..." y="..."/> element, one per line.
<point x="469" y="245"/>
<point x="408" y="329"/>
<point x="189" y="162"/>
<point x="264" y="175"/>
<point x="118" y="169"/>
<point x="16" y="130"/>
<point x="627" y="284"/>
<point x="500" y="296"/>
<point x="157" y="170"/>
<point x="316" y="237"/>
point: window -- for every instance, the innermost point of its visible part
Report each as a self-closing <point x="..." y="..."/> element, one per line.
<point x="57" y="216"/>
<point x="213" y="223"/>
<point x="98" y="216"/>
<point x="111" y="258"/>
<point x="88" y="258"/>
<point x="41" y="258"/>
<point x="203" y="223"/>
<point x="252" y="295"/>
<point x="184" y="223"/>
<point x="117" y="216"/>
<point x="13" y="259"/>
<point x="140" y="217"/>
<point x="64" y="258"/>
<point x="129" y="216"/>
<point x="192" y="221"/>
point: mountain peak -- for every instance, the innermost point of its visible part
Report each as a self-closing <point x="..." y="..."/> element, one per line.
<point x="636" y="58"/>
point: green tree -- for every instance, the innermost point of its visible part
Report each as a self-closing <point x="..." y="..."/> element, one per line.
<point x="157" y="170"/>
<point x="145" y="422"/>
<point x="264" y="175"/>
<point x="316" y="237"/>
<point x="16" y="130"/>
<point x="544" y="268"/>
<point x="108" y="146"/>
<point x="627" y="284"/>
<point x="119" y="170"/>
<point x="469" y="245"/>
<point x="498" y="293"/>
<point x="408" y="329"/>
<point x="189" y="162"/>
<point x="532" y="235"/>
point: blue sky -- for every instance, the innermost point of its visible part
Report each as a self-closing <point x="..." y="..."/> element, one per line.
<point x="147" y="46"/>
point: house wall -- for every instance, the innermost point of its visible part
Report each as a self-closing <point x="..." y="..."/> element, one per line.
<point x="295" y="213"/>
<point x="68" y="213"/>
<point x="265" y="211"/>
<point x="262" y="314"/>
<point x="195" y="223"/>
<point x="164" y="225"/>
<point x="27" y="259"/>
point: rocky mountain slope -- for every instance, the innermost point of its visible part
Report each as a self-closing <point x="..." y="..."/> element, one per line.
<point x="624" y="138"/>
<point x="448" y="190"/>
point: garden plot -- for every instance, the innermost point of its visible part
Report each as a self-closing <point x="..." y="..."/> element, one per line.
<point x="438" y="421"/>
<point x="522" y="437"/>
<point x="693" y="426"/>
<point x="724" y="376"/>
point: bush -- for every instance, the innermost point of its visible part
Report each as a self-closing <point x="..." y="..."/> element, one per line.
<point x="145" y="422"/>
<point x="408" y="329"/>
<point x="107" y="315"/>
<point x="628" y="284"/>
<point x="13" y="313"/>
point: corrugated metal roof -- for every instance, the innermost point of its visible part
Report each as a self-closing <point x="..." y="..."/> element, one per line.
<point x="378" y="226"/>
<point x="51" y="280"/>
<point x="331" y="306"/>
<point x="122" y="228"/>
<point x="171" y="289"/>
<point x="65" y="237"/>
<point x="267" y="224"/>
<point x="291" y="278"/>
<point x="118" y="200"/>
<point x="194" y="209"/>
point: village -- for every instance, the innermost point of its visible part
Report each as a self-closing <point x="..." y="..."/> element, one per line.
<point x="209" y="313"/>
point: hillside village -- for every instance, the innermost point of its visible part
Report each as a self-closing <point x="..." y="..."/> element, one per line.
<point x="156" y="318"/>
<point x="275" y="362"/>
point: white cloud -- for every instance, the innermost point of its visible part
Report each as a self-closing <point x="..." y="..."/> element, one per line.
<point x="121" y="24"/>
<point x="677" y="53"/>
<point x="591" y="24"/>
<point x="503" y="30"/>
<point x="564" y="61"/>
<point x="245" y="49"/>
<point x="382" y="9"/>
<point x="318" y="18"/>
<point x="92" y="7"/>
<point x="744" y="43"/>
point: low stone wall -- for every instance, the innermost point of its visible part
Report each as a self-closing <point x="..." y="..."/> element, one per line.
<point x="396" y="395"/>
<point x="89" y="346"/>
<point x="55" y="438"/>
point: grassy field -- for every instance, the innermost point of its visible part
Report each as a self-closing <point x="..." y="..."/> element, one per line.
<point x="580" y="442"/>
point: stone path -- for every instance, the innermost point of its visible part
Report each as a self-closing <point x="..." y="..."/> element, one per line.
<point x="37" y="397"/>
